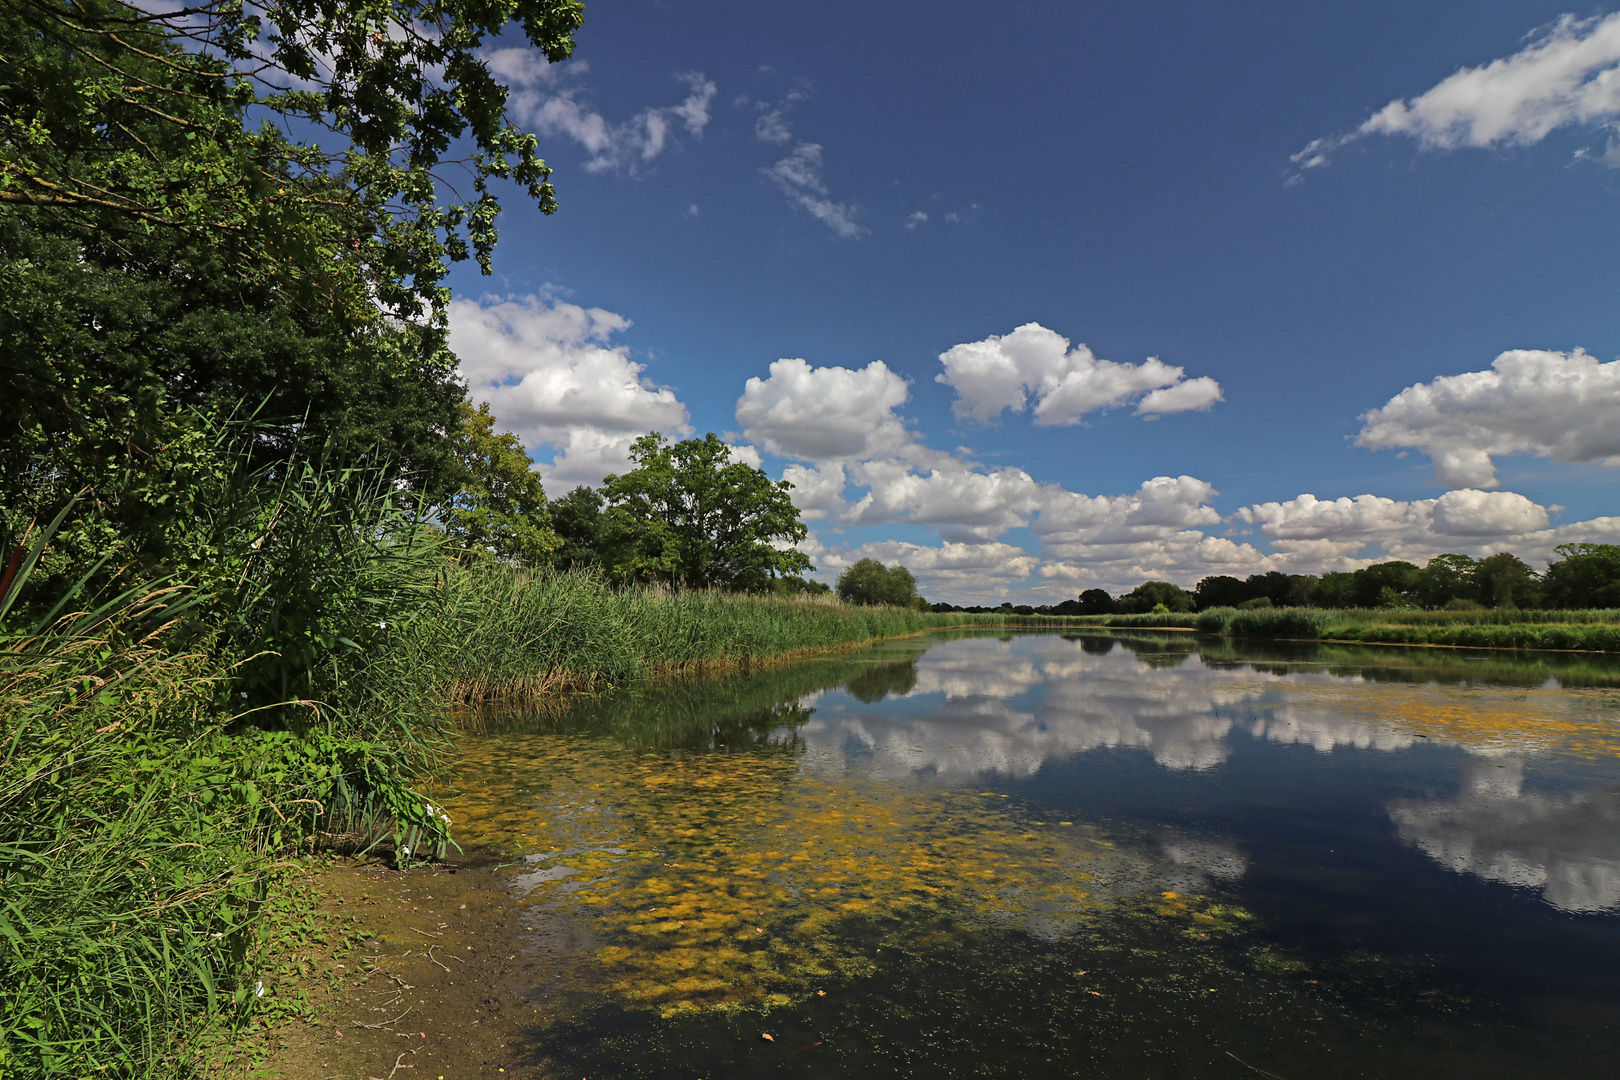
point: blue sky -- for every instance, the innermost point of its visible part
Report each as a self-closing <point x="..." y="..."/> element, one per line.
<point x="1227" y="190"/>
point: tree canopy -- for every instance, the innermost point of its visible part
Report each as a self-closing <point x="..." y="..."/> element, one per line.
<point x="125" y="119"/>
<point x="1150" y="594"/>
<point x="688" y="514"/>
<point x="1587" y="576"/>
<point x="870" y="582"/>
<point x="501" y="505"/>
<point x="220" y="210"/>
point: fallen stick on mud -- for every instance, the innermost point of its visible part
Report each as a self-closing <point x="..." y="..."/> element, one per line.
<point x="385" y="1023"/>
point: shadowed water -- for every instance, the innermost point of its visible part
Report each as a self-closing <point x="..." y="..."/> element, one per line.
<point x="1041" y="855"/>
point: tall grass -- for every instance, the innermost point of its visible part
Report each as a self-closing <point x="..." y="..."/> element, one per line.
<point x="124" y="890"/>
<point x="1597" y="631"/>
<point x="495" y="631"/>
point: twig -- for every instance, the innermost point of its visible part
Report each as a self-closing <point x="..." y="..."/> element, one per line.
<point x="385" y="1023"/>
<point x="424" y="933"/>
<point x="1237" y="1059"/>
<point x="396" y="1068"/>
<point x="430" y="956"/>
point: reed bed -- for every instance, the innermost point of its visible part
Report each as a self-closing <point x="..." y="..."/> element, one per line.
<point x="495" y="632"/>
<point x="1595" y="630"/>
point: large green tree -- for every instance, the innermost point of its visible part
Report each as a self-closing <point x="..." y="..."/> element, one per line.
<point x="690" y="515"/>
<point x="1584" y="576"/>
<point x="577" y="520"/>
<point x="219" y="207"/>
<point x="870" y="582"/>
<point x="1504" y="580"/>
<point x="1150" y="594"/>
<point x="501" y="506"/>
<point x="1446" y="578"/>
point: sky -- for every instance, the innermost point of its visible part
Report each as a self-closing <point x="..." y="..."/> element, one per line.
<point x="1046" y="297"/>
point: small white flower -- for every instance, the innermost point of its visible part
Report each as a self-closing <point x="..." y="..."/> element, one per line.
<point x="258" y="991"/>
<point x="383" y="625"/>
<point x="404" y="849"/>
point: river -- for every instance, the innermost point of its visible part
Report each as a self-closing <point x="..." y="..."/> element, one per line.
<point x="1035" y="854"/>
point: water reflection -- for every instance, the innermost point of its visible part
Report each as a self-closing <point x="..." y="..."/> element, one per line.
<point x="1566" y="845"/>
<point x="1008" y="706"/>
<point x="1048" y="856"/>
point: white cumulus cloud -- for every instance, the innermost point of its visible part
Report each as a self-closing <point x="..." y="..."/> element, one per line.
<point x="551" y="377"/>
<point x="818" y="490"/>
<point x="951" y="569"/>
<point x="1568" y="76"/>
<point x="547" y="99"/>
<point x="957" y="501"/>
<point x="1322" y="534"/>
<point x="798" y="178"/>
<point x="1563" y="406"/>
<point x="823" y="413"/>
<point x="1006" y="371"/>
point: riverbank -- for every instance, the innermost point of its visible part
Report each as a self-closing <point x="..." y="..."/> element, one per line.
<point x="149" y="805"/>
<point x="406" y="969"/>
<point x="1585" y="631"/>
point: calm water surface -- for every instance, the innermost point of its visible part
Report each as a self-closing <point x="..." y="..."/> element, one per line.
<point x="1042" y="855"/>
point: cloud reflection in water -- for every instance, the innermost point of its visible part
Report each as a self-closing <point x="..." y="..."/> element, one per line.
<point x="985" y="706"/>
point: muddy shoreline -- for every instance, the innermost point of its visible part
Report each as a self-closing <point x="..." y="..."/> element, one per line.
<point x="449" y="976"/>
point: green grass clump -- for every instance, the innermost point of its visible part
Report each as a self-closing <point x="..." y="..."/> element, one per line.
<point x="1182" y="620"/>
<point x="1595" y="630"/>
<point x="495" y="631"/>
<point x="1586" y="636"/>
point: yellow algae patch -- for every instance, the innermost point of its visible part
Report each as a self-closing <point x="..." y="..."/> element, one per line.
<point x="727" y="879"/>
<point x="1482" y="719"/>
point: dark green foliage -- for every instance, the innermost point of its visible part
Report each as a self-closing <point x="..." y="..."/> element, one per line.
<point x="1334" y="590"/>
<point x="689" y="515"/>
<point x="1219" y="590"/>
<point x="1281" y="590"/>
<point x="125" y="121"/>
<point x="122" y="365"/>
<point x="1504" y="581"/>
<point x="501" y="505"/>
<point x="1385" y="584"/>
<point x="1445" y="578"/>
<point x="869" y="582"/>
<point x="576" y="518"/>
<point x="1149" y="594"/>
<point x="164" y="264"/>
<point x="1586" y="575"/>
<point x="1095" y="602"/>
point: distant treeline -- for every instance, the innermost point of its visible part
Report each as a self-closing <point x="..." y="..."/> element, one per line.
<point x="1583" y="576"/>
